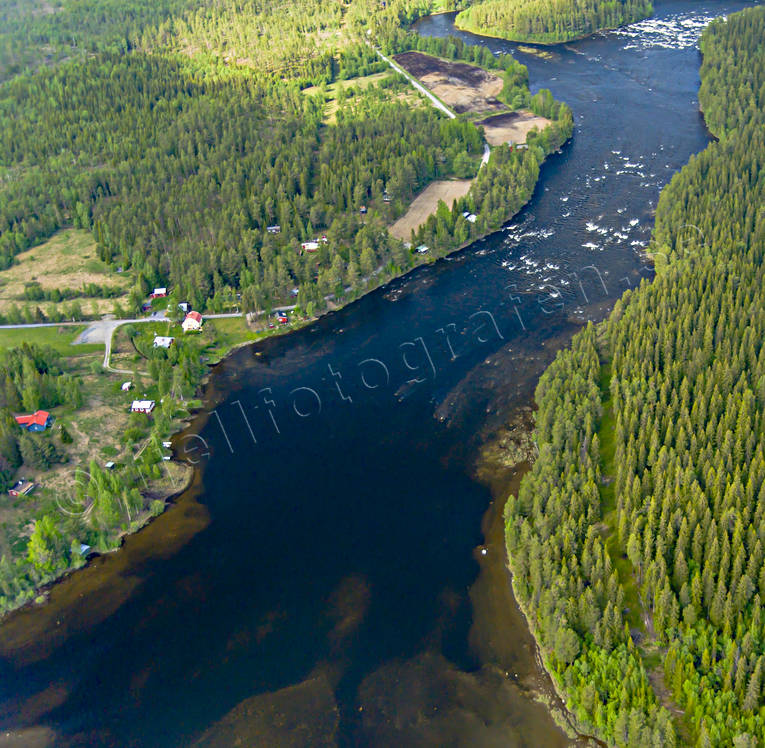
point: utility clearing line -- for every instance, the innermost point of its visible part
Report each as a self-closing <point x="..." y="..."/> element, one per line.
<point x="437" y="103"/>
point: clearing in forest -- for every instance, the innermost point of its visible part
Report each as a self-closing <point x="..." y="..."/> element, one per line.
<point x="352" y="86"/>
<point x="462" y="87"/>
<point x="512" y="127"/>
<point x="68" y="260"/>
<point x="426" y="203"/>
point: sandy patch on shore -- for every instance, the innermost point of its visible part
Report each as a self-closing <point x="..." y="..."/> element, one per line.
<point x="425" y="204"/>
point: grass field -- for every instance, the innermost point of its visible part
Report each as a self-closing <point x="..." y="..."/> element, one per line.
<point x="425" y="204"/>
<point x="229" y="332"/>
<point x="67" y="260"/>
<point x="359" y="84"/>
<point x="61" y="338"/>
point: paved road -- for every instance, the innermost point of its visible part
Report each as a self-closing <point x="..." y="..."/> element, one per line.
<point x="102" y="331"/>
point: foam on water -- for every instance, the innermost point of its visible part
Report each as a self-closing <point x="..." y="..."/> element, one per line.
<point x="680" y="32"/>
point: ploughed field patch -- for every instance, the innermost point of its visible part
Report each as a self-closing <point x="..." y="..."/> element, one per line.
<point x="511" y="127"/>
<point x="462" y="87"/>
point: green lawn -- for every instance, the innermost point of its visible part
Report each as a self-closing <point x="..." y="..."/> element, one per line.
<point x="60" y="338"/>
<point x="229" y="332"/>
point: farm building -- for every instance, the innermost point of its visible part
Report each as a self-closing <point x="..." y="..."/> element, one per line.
<point x="192" y="322"/>
<point x="309" y="246"/>
<point x="158" y="293"/>
<point x="21" y="488"/>
<point x="162" y="341"/>
<point x="37" y="421"/>
<point x="276" y="229"/>
<point x="142" y="406"/>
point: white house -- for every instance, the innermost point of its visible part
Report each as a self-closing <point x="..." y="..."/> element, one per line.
<point x="192" y="322"/>
<point x="162" y="341"/>
<point x="142" y="406"/>
<point x="309" y="246"/>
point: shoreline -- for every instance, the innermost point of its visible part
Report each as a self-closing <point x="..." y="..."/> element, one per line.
<point x="545" y="44"/>
<point x="41" y="593"/>
<point x="199" y="412"/>
<point x="501" y="463"/>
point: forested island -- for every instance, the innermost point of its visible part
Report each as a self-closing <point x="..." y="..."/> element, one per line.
<point x="549" y="21"/>
<point x="228" y="159"/>
<point x="636" y="540"/>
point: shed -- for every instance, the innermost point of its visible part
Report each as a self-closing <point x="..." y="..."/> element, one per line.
<point x="22" y="488"/>
<point x="142" y="406"/>
<point x="162" y="341"/>
<point x="126" y="386"/>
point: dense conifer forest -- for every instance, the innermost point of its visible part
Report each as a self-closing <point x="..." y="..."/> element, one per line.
<point x="636" y="541"/>
<point x="549" y="21"/>
<point x="201" y="144"/>
<point x="181" y="138"/>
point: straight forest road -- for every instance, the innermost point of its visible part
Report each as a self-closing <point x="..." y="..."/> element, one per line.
<point x="437" y="103"/>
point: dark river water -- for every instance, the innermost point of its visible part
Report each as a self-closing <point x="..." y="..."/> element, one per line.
<point x="324" y="581"/>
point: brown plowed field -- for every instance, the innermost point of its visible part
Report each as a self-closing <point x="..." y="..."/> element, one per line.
<point x="512" y="127"/>
<point x="462" y="87"/>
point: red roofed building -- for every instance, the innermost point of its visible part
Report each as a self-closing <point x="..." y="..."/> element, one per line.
<point x="193" y="321"/>
<point x="38" y="421"/>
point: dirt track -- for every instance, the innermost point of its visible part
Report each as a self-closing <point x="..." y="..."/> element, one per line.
<point x="512" y="127"/>
<point x="462" y="87"/>
<point x="426" y="203"/>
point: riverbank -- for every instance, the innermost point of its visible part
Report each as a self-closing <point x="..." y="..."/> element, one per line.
<point x="163" y="383"/>
<point x="517" y="15"/>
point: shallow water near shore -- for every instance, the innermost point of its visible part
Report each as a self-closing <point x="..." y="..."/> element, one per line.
<point x="324" y="581"/>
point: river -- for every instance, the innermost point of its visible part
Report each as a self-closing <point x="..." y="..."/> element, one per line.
<point x="336" y="576"/>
